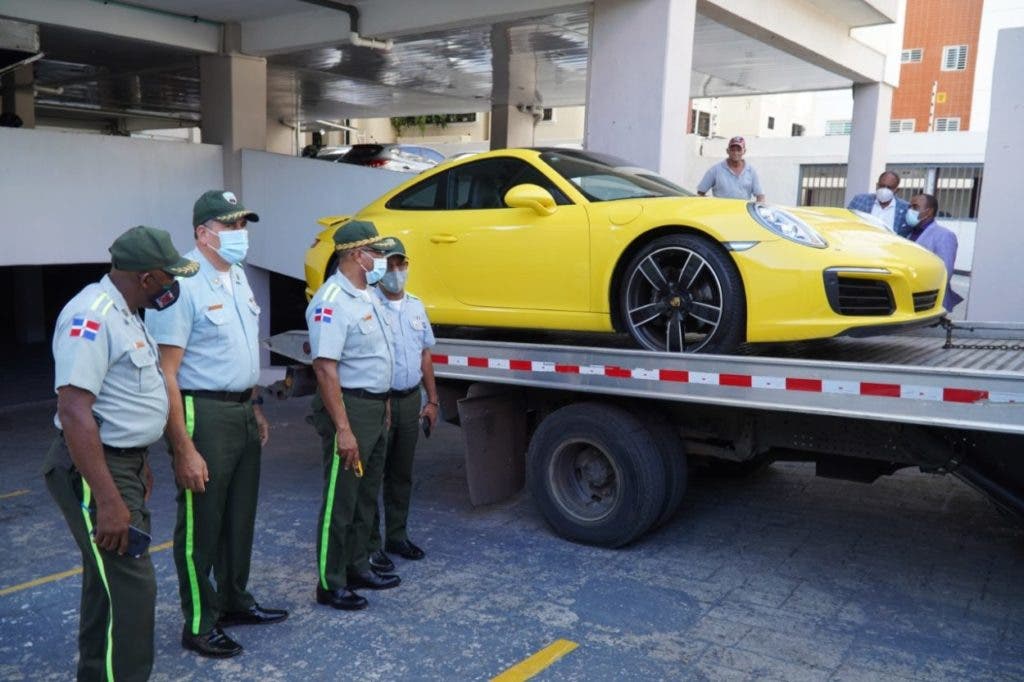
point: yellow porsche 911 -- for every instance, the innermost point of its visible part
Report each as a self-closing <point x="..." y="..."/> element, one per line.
<point x="573" y="240"/>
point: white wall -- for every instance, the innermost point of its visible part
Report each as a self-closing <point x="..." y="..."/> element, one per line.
<point x="65" y="197"/>
<point x="995" y="15"/>
<point x="291" y="193"/>
<point x="996" y="293"/>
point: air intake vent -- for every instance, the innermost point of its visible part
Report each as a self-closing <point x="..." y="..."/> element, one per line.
<point x="925" y="300"/>
<point x="858" y="296"/>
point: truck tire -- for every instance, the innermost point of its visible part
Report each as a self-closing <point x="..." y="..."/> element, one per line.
<point x="673" y="456"/>
<point x="596" y="474"/>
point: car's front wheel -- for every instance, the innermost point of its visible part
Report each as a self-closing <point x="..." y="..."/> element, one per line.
<point x="681" y="293"/>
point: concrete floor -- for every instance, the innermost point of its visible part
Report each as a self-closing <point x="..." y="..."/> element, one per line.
<point x="781" y="576"/>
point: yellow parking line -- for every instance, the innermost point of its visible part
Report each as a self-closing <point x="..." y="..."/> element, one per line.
<point x="53" y="577"/>
<point x="529" y="667"/>
<point x="14" y="494"/>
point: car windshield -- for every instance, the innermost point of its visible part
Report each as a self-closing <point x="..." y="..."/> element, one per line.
<point x="605" y="178"/>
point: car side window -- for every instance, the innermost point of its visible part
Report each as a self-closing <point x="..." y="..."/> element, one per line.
<point x="483" y="184"/>
<point x="423" y="196"/>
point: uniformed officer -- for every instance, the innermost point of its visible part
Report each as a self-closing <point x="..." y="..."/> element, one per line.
<point x="350" y="340"/>
<point x="111" y="405"/>
<point x="209" y="351"/>
<point x="413" y="339"/>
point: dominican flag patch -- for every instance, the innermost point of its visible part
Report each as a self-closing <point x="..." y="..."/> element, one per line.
<point x="85" y="328"/>
<point x="322" y="314"/>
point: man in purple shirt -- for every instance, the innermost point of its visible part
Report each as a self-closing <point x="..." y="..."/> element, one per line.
<point x="934" y="237"/>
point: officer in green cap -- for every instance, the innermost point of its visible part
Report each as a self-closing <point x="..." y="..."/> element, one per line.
<point x="414" y="373"/>
<point x="350" y="340"/>
<point x="111" y="405"/>
<point x="209" y="351"/>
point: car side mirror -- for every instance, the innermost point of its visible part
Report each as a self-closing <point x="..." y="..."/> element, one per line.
<point x="531" y="196"/>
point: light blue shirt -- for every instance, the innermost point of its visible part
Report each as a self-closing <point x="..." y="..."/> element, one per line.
<point x="412" y="333"/>
<point x="726" y="184"/>
<point x="217" y="327"/>
<point x="350" y="326"/>
<point x="102" y="347"/>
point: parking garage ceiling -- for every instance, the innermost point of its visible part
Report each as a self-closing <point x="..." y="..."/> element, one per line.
<point x="447" y="71"/>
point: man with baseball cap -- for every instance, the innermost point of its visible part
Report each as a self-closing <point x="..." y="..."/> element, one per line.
<point x="111" y="405"/>
<point x="209" y="351"/>
<point x="350" y="339"/>
<point x="732" y="178"/>
<point x="414" y="372"/>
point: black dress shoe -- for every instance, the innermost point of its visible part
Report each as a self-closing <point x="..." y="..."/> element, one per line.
<point x="255" y="615"/>
<point x="381" y="562"/>
<point x="214" y="644"/>
<point x="406" y="550"/>
<point x="343" y="598"/>
<point x="372" y="581"/>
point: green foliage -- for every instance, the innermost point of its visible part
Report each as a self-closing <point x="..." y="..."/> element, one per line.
<point x="399" y="123"/>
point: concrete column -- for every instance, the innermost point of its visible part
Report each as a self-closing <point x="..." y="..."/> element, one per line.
<point x="18" y="96"/>
<point x="869" y="137"/>
<point x="29" y="306"/>
<point x="996" y="294"/>
<point x="514" y="93"/>
<point x="638" y="83"/>
<point x="233" y="101"/>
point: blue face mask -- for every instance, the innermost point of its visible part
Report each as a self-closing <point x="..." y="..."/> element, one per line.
<point x="394" y="281"/>
<point x="234" y="244"/>
<point x="375" y="274"/>
<point x="913" y="217"/>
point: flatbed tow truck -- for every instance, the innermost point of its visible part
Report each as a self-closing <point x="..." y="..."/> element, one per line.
<point x="605" y="436"/>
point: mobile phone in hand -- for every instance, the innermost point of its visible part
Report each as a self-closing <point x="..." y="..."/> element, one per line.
<point x="138" y="541"/>
<point x="425" y="425"/>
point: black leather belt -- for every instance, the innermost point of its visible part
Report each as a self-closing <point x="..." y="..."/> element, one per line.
<point x="407" y="392"/>
<point x="123" y="451"/>
<point x="223" y="396"/>
<point x="363" y="393"/>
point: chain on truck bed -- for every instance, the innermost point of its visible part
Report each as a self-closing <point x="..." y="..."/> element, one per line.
<point x="951" y="326"/>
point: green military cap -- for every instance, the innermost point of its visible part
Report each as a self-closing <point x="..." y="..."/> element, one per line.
<point x="222" y="206"/>
<point x="393" y="246"/>
<point x="356" y="233"/>
<point x="148" y="248"/>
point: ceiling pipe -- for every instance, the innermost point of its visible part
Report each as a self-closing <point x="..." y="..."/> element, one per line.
<point x="353" y="23"/>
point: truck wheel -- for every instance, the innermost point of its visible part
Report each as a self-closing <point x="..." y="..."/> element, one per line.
<point x="673" y="457"/>
<point x="596" y="474"/>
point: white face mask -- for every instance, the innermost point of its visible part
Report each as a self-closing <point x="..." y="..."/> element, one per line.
<point x="884" y="195"/>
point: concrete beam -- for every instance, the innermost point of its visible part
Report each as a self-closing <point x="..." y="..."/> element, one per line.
<point x="153" y="26"/>
<point x="802" y="30"/>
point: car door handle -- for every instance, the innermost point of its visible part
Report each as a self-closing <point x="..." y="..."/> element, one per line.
<point x="444" y="238"/>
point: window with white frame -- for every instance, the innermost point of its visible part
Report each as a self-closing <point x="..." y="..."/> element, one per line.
<point x="954" y="58"/>
<point x="912" y="56"/>
<point x="947" y="125"/>
<point x="548" y="115"/>
<point x="838" y="127"/>
<point x="901" y="125"/>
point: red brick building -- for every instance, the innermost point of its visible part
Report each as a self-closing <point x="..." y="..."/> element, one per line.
<point x="940" y="47"/>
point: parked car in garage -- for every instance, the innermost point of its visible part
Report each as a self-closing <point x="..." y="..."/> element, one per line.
<point x="565" y="239"/>
<point x="397" y="157"/>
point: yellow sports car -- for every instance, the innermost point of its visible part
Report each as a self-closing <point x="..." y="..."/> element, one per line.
<point x="573" y="240"/>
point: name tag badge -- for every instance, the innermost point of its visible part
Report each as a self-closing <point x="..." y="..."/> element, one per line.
<point x="418" y="324"/>
<point x="216" y="306"/>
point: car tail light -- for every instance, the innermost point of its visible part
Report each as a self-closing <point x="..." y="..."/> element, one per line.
<point x="377" y="163"/>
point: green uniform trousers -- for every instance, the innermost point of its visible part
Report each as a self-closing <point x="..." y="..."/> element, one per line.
<point x="397" y="483"/>
<point x="214" y="529"/>
<point x="115" y="632"/>
<point x="349" y="502"/>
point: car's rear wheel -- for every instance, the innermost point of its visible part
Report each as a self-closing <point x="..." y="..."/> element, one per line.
<point x="682" y="294"/>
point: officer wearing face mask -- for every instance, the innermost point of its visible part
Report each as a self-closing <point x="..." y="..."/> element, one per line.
<point x="111" y="405"/>
<point x="414" y="369"/>
<point x="209" y="351"/>
<point x="884" y="205"/>
<point x="350" y="342"/>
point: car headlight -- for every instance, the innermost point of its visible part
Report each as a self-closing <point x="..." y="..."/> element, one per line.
<point x="785" y="225"/>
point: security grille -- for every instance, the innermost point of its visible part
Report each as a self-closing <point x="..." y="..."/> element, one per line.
<point x="954" y="58"/>
<point x="947" y="125"/>
<point x="957" y="188"/>
<point x="901" y="125"/>
<point x="911" y="56"/>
